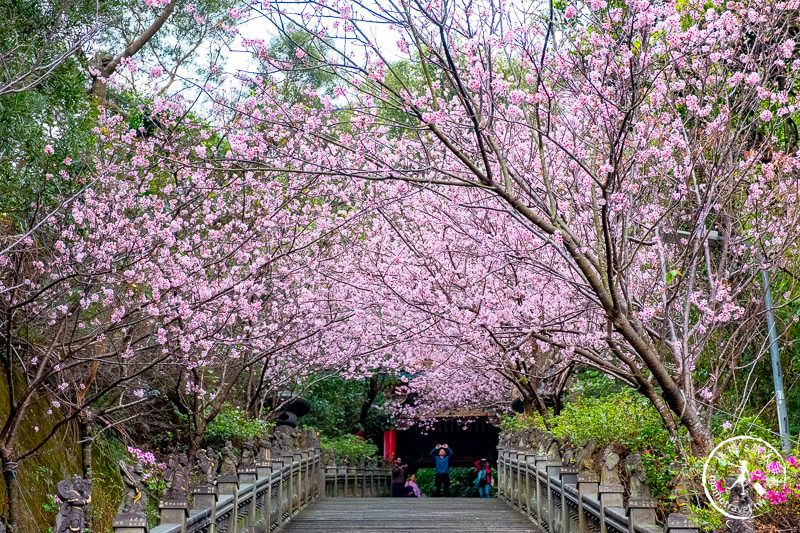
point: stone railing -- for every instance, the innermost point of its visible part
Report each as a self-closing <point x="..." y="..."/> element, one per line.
<point x="260" y="499"/>
<point x="361" y="481"/>
<point x="560" y="496"/>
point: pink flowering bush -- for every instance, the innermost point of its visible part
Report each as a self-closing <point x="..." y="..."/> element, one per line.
<point x="774" y="482"/>
<point x="152" y="476"/>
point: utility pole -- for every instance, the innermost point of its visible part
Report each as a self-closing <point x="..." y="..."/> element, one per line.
<point x="777" y="373"/>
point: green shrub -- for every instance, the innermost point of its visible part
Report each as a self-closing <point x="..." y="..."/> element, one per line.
<point x="233" y="424"/>
<point x="520" y="422"/>
<point x="625" y="418"/>
<point x="595" y="384"/>
<point x="350" y="449"/>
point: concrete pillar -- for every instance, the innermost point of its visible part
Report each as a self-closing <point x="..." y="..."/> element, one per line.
<point x="588" y="484"/>
<point x="641" y="511"/>
<point x="679" y="523"/>
<point x="174" y="512"/>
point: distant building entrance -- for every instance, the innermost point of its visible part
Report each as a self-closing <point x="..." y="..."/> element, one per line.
<point x="471" y="438"/>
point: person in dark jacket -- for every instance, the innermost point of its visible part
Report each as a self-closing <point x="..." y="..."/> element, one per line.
<point x="398" y="478"/>
<point x="441" y="455"/>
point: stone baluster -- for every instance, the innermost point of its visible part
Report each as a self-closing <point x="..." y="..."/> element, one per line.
<point x="540" y="481"/>
<point x="680" y="523"/>
<point x="277" y="466"/>
<point x="569" y="477"/>
<point x="289" y="484"/>
<point x="519" y="482"/>
<point x="531" y="485"/>
<point x="610" y="488"/>
<point x="588" y="485"/>
<point x="641" y="504"/>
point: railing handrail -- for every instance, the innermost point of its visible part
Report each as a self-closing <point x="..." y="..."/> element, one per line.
<point x="545" y="490"/>
<point x="367" y="481"/>
<point x="292" y="483"/>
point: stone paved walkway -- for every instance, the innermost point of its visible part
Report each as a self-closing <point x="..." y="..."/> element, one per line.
<point x="467" y="515"/>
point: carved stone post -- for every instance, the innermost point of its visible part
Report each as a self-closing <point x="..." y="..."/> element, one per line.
<point x="641" y="504"/>
<point x="365" y="489"/>
<point x="588" y="485"/>
<point x="540" y="471"/>
<point x="519" y="482"/>
<point x="319" y="474"/>
<point x="174" y="512"/>
<point x="529" y="464"/>
<point x="641" y="512"/>
<point x="204" y="497"/>
<point x="174" y="506"/>
<point x="680" y="523"/>
<point x="289" y="484"/>
<point x="501" y="472"/>
<point x="228" y="484"/>
<point x="372" y="492"/>
<point x="297" y="469"/>
<point x="569" y="476"/>
<point x="130" y="525"/>
<point x="277" y="466"/>
<point x="552" y="469"/>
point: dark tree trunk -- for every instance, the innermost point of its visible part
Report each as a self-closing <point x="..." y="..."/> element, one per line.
<point x="12" y="494"/>
<point x="87" y="442"/>
<point x="372" y="394"/>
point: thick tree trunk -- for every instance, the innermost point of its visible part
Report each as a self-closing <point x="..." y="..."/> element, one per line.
<point x="532" y="403"/>
<point x="646" y="389"/>
<point x="12" y="494"/>
<point x="678" y="401"/>
<point x="372" y="394"/>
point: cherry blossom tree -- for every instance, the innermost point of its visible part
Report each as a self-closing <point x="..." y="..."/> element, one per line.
<point x="626" y="138"/>
<point x="174" y="260"/>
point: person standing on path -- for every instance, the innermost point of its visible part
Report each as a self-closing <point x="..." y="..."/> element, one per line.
<point x="441" y="455"/>
<point x="484" y="480"/>
<point x="398" y="478"/>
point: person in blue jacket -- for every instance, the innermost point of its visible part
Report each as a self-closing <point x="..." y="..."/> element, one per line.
<point x="442" y="454"/>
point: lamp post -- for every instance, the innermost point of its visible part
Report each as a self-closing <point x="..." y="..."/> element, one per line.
<point x="777" y="373"/>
